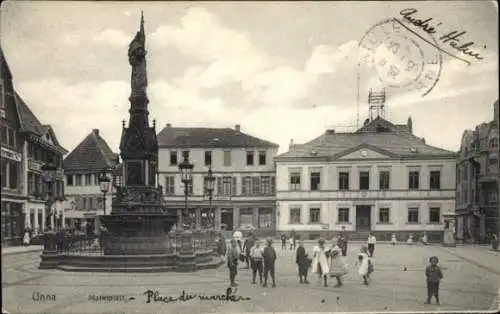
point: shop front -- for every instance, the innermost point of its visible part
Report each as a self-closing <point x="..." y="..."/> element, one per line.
<point x="12" y="222"/>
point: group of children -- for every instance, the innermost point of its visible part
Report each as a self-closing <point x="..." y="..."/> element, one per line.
<point x="326" y="261"/>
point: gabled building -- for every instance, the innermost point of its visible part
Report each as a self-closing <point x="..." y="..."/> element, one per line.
<point x="244" y="169"/>
<point x="82" y="168"/>
<point x="477" y="198"/>
<point x="27" y="145"/>
<point x="380" y="178"/>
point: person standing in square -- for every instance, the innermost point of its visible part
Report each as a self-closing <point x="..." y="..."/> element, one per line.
<point x="434" y="275"/>
<point x="342" y="241"/>
<point x="303" y="262"/>
<point x="371" y="244"/>
<point x="320" y="261"/>
<point x="269" y="261"/>
<point x="257" y="261"/>
<point x="232" y="262"/>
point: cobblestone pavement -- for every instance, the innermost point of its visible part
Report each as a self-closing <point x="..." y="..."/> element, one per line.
<point x="470" y="283"/>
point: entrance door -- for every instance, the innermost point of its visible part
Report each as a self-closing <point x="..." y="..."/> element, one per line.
<point x="226" y="217"/>
<point x="363" y="218"/>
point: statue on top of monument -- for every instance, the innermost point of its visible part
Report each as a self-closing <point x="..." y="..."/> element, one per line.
<point x="137" y="59"/>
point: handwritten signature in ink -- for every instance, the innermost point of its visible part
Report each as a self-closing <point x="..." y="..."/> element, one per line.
<point x="452" y="38"/>
<point x="154" y="296"/>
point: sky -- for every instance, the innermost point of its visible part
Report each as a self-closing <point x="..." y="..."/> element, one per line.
<point x="282" y="70"/>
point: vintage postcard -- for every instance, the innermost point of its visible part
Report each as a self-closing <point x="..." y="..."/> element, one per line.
<point x="249" y="157"/>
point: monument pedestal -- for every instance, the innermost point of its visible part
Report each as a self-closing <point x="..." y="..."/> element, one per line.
<point x="50" y="257"/>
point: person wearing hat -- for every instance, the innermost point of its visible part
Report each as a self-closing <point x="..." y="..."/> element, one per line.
<point x="232" y="262"/>
<point x="434" y="275"/>
<point x="320" y="261"/>
<point x="269" y="261"/>
<point x="247" y="246"/>
<point x="303" y="262"/>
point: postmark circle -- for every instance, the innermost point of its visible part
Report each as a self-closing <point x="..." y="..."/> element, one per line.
<point x="401" y="58"/>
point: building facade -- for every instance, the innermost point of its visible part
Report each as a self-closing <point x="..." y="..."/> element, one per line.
<point x="83" y="168"/>
<point x="27" y="145"/>
<point x="245" y="176"/>
<point x="380" y="178"/>
<point x="477" y="197"/>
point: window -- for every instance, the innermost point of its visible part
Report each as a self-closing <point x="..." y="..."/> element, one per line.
<point x="78" y="179"/>
<point x="224" y="186"/>
<point x="265" y="185"/>
<point x="295" y="215"/>
<point x="227" y="158"/>
<point x="413" y="180"/>
<point x="384" y="180"/>
<point x="249" y="158"/>
<point x="295" y="181"/>
<point x="343" y="215"/>
<point x="69" y="179"/>
<point x="364" y="180"/>
<point x="185" y="154"/>
<point x="246" y="186"/>
<point x="246" y="217"/>
<point x="11" y="137"/>
<point x="255" y="185"/>
<point x="262" y="158"/>
<point x="208" y="158"/>
<point x="4" y="174"/>
<point x="435" y="180"/>
<point x="173" y="158"/>
<point x="343" y="181"/>
<point x="91" y="203"/>
<point x="31" y="183"/>
<point x="435" y="215"/>
<point x="493" y="143"/>
<point x="13" y="175"/>
<point x="314" y="215"/>
<point x="265" y="218"/>
<point x="88" y="179"/>
<point x="383" y="215"/>
<point x="413" y="215"/>
<point x="315" y="181"/>
<point x="170" y="185"/>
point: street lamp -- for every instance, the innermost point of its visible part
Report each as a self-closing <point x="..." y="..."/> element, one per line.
<point x="104" y="182"/>
<point x="210" y="190"/>
<point x="186" y="170"/>
<point x="49" y="172"/>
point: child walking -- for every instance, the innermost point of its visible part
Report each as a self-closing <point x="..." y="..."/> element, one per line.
<point x="320" y="261"/>
<point x="302" y="260"/>
<point x="365" y="267"/>
<point x="434" y="275"/>
<point x="338" y="266"/>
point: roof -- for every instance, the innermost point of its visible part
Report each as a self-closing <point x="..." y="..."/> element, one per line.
<point x="209" y="138"/>
<point x="92" y="154"/>
<point x="4" y="67"/>
<point x="379" y="135"/>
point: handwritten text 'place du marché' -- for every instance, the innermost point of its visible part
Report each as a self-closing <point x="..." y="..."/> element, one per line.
<point x="154" y="296"/>
<point x="452" y="38"/>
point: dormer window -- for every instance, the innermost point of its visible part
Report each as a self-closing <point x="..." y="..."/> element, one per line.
<point x="493" y="143"/>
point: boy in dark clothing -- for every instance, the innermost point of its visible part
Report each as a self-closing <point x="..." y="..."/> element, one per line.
<point x="342" y="242"/>
<point x="303" y="262"/>
<point x="283" y="241"/>
<point x="232" y="262"/>
<point x="269" y="260"/>
<point x="434" y="275"/>
<point x="247" y="246"/>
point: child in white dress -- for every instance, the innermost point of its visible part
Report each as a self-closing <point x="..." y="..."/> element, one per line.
<point x="365" y="267"/>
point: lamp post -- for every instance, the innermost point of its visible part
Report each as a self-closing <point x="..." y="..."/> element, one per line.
<point x="186" y="169"/>
<point x="49" y="172"/>
<point x="210" y="190"/>
<point x="104" y="182"/>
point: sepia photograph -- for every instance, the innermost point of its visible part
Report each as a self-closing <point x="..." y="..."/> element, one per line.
<point x="250" y="157"/>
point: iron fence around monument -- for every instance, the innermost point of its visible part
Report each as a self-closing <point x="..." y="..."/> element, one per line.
<point x="197" y="241"/>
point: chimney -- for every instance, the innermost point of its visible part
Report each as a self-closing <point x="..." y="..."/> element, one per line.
<point x="169" y="125"/>
<point x="290" y="146"/>
<point x="237" y="127"/>
<point x="96" y="132"/>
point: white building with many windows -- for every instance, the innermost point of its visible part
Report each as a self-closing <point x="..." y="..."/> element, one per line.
<point x="242" y="165"/>
<point x="380" y="178"/>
